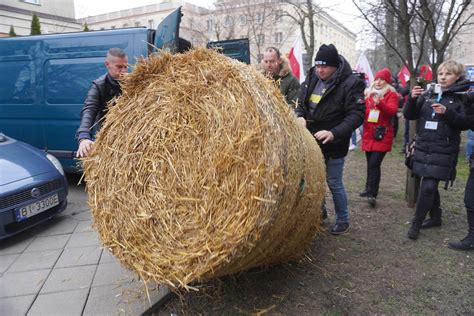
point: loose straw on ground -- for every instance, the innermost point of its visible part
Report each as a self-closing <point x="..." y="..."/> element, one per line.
<point x="201" y="170"/>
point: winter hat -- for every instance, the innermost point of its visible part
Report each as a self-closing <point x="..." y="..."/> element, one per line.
<point x="327" y="55"/>
<point x="384" y="74"/>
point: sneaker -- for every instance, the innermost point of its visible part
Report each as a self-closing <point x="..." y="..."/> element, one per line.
<point x="372" y="201"/>
<point x="352" y="147"/>
<point x="464" y="244"/>
<point x="340" y="228"/>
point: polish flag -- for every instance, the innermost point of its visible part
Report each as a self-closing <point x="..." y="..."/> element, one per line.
<point x="404" y="76"/>
<point x="363" y="66"/>
<point x="426" y="72"/>
<point x="295" y="58"/>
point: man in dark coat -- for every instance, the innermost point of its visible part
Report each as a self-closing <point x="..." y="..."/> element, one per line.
<point x="103" y="89"/>
<point x="331" y="107"/>
<point x="278" y="68"/>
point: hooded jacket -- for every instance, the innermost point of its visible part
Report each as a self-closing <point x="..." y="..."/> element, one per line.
<point x="103" y="89"/>
<point x="340" y="109"/>
<point x="289" y="85"/>
<point x="437" y="138"/>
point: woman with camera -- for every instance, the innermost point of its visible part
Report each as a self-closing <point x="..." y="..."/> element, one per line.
<point x="381" y="104"/>
<point x="437" y="140"/>
<point x="463" y="121"/>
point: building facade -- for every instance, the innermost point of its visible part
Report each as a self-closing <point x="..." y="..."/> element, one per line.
<point x="264" y="22"/>
<point x="150" y="16"/>
<point x="462" y="48"/>
<point x="55" y="16"/>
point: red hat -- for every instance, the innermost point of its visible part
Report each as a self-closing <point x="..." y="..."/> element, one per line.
<point x="384" y="74"/>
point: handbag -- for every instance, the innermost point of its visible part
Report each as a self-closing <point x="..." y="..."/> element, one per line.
<point x="409" y="154"/>
<point x="379" y="132"/>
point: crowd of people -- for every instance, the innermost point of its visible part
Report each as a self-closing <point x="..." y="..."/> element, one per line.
<point x="332" y="103"/>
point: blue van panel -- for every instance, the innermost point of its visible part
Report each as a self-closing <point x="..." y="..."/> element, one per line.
<point x="45" y="79"/>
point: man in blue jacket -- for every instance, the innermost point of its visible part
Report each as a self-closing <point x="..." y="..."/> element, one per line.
<point x="331" y="107"/>
<point x="103" y="89"/>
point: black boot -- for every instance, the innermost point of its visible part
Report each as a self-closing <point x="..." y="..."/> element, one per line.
<point x="414" y="230"/>
<point x="468" y="242"/>
<point x="434" y="220"/>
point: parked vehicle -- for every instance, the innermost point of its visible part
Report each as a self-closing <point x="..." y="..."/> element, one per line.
<point x="33" y="187"/>
<point x="44" y="79"/>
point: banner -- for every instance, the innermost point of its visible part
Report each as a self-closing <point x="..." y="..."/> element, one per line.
<point x="364" y="67"/>
<point x="295" y="57"/>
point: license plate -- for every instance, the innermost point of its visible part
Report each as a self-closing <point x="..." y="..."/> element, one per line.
<point x="32" y="209"/>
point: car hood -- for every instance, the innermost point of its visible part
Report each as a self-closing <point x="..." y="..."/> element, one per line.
<point x="19" y="161"/>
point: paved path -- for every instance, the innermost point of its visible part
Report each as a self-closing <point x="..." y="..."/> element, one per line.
<point x="59" y="268"/>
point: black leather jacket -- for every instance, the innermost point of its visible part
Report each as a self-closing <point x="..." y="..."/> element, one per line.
<point x="103" y="89"/>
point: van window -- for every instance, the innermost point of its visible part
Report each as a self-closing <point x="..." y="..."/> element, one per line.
<point x="18" y="86"/>
<point x="68" y="80"/>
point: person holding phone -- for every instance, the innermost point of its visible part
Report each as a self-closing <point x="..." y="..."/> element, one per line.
<point x="437" y="140"/>
<point x="381" y="105"/>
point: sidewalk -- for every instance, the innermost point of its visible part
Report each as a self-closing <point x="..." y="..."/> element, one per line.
<point x="59" y="268"/>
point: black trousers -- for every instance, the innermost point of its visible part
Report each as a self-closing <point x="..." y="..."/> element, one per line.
<point x="469" y="192"/>
<point x="374" y="162"/>
<point x="428" y="198"/>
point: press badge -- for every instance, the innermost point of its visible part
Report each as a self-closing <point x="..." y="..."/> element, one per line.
<point x="315" y="98"/>
<point x="431" y="125"/>
<point x="373" y="116"/>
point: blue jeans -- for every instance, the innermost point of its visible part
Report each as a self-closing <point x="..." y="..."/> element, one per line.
<point x="469" y="144"/>
<point x="334" y="169"/>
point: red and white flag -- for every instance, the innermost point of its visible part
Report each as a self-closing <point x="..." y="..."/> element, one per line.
<point x="363" y="66"/>
<point x="426" y="72"/>
<point x="404" y="76"/>
<point x="295" y="58"/>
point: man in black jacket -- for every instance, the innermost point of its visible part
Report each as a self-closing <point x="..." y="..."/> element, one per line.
<point x="103" y="89"/>
<point x="332" y="106"/>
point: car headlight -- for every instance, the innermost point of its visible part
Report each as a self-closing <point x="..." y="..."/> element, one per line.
<point x="56" y="163"/>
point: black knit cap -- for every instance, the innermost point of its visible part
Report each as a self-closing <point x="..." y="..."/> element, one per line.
<point x="327" y="55"/>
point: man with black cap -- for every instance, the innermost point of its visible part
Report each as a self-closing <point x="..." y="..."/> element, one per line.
<point x="331" y="107"/>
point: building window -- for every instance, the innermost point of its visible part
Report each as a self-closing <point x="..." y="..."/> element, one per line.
<point x="209" y="25"/>
<point x="32" y="1"/>
<point x="137" y="24"/>
<point x="278" y="37"/>
<point x="112" y="27"/>
<point x="228" y="22"/>
<point x="259" y="58"/>
<point x="125" y="25"/>
<point x="259" y="18"/>
<point x="151" y="24"/>
<point x="243" y="19"/>
<point x="260" y="39"/>
<point x="279" y="16"/>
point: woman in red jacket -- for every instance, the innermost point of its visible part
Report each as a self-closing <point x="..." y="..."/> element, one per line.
<point x="381" y="104"/>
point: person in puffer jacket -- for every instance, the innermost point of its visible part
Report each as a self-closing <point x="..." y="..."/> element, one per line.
<point x="381" y="105"/>
<point x="437" y="140"/>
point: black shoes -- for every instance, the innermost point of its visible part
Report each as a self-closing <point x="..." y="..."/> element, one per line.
<point x="340" y="228"/>
<point x="464" y="244"/>
<point x="372" y="201"/>
<point x="414" y="231"/>
<point x="431" y="222"/>
<point x="363" y="193"/>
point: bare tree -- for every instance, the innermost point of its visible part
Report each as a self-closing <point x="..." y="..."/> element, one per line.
<point x="303" y="12"/>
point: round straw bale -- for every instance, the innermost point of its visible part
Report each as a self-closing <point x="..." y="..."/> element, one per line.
<point x="201" y="170"/>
